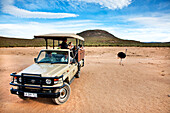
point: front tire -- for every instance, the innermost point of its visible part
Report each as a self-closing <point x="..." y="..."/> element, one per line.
<point x="64" y="94"/>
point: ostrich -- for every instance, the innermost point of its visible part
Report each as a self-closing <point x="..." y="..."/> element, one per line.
<point x="121" y="55"/>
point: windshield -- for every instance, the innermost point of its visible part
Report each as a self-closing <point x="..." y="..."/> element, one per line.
<point x="53" y="57"/>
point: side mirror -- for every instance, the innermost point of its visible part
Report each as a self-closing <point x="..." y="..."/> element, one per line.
<point x="35" y="60"/>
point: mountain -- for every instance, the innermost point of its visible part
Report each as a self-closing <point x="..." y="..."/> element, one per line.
<point x="92" y="38"/>
<point x="16" y="42"/>
<point x="103" y="37"/>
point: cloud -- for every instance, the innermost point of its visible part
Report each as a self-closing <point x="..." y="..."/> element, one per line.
<point x="162" y="21"/>
<point x="110" y="4"/>
<point x="144" y="34"/>
<point x="29" y="29"/>
<point x="147" y="28"/>
<point x="9" y="8"/>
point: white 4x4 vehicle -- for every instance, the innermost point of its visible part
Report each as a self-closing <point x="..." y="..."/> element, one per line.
<point x="52" y="73"/>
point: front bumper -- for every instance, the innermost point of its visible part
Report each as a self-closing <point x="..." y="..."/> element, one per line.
<point x="42" y="90"/>
<point x="39" y="94"/>
<point x="40" y="87"/>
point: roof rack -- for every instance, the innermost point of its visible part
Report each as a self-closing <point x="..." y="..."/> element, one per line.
<point x="60" y="36"/>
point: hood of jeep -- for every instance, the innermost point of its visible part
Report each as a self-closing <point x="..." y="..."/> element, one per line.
<point x="46" y="70"/>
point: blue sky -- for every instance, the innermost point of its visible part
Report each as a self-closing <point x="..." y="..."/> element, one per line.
<point x="141" y="20"/>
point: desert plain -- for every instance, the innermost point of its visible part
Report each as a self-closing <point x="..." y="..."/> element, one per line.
<point x="141" y="85"/>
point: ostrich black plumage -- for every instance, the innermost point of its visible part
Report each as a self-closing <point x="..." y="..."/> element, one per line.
<point x="121" y="55"/>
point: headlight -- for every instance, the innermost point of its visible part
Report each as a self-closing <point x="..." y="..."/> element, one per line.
<point x="48" y="81"/>
<point x="20" y="80"/>
<point x="12" y="78"/>
<point x="56" y="81"/>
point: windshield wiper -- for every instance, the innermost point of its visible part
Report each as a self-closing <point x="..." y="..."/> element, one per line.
<point x="58" y="62"/>
<point x="44" y="62"/>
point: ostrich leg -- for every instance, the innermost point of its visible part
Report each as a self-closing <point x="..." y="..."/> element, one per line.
<point x="120" y="61"/>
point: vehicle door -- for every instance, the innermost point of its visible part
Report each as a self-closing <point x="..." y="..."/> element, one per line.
<point x="72" y="69"/>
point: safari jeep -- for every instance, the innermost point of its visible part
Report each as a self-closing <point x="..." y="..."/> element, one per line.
<point x="52" y="73"/>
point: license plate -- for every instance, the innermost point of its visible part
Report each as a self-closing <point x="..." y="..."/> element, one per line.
<point x="27" y="94"/>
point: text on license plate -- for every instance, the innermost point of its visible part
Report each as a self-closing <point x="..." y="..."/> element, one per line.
<point x="27" y="94"/>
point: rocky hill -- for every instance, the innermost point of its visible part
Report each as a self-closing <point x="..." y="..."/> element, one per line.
<point x="103" y="37"/>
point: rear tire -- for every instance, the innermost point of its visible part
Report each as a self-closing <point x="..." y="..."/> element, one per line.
<point x="78" y="72"/>
<point x="64" y="94"/>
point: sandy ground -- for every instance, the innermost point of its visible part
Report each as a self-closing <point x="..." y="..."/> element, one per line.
<point x="142" y="85"/>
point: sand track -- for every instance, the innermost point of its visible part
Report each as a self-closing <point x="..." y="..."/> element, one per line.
<point x="142" y="85"/>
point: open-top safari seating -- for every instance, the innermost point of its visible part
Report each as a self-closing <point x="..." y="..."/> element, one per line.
<point x="53" y="70"/>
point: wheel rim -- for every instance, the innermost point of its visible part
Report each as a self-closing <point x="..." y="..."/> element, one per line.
<point x="63" y="94"/>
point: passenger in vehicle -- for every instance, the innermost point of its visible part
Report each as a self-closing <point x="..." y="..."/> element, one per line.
<point x="64" y="44"/>
<point x="80" y="47"/>
<point x="50" y="57"/>
<point x="65" y="58"/>
<point x="48" y="54"/>
<point x="70" y="46"/>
